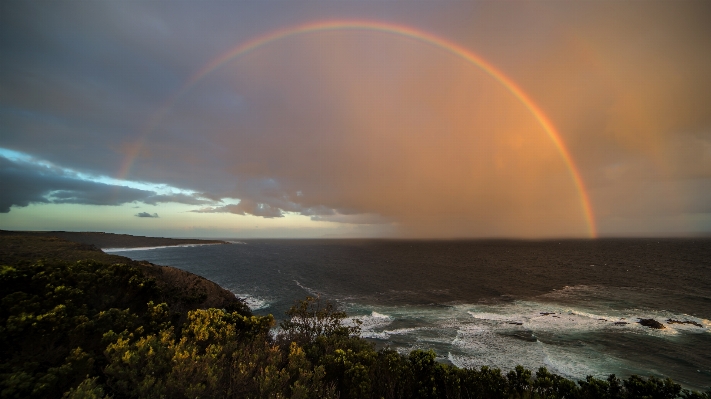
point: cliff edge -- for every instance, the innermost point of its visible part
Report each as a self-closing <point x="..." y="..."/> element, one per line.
<point x="180" y="289"/>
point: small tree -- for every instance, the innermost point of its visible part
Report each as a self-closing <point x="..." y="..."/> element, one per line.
<point x="311" y="318"/>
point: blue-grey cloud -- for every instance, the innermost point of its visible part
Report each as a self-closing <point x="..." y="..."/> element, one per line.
<point x="245" y="207"/>
<point x="276" y="207"/>
<point x="25" y="182"/>
<point x="198" y="199"/>
<point x="146" y="215"/>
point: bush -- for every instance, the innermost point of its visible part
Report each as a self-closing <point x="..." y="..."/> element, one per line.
<point x="92" y="330"/>
<point x="54" y="316"/>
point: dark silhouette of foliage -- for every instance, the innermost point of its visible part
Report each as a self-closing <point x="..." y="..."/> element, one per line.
<point x="313" y="318"/>
<point x="54" y="317"/>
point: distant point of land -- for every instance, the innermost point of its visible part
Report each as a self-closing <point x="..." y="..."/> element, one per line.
<point x="110" y="240"/>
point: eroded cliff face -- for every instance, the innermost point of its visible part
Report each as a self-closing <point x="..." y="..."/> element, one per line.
<point x="180" y="289"/>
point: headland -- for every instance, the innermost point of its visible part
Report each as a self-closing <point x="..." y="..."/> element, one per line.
<point x="111" y="240"/>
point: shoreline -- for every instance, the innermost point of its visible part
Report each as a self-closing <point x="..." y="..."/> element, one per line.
<point x="124" y="249"/>
<point x="113" y="241"/>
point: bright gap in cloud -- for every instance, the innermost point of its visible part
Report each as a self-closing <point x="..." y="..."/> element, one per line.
<point x="160" y="189"/>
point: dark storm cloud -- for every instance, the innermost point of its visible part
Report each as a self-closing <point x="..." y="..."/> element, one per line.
<point x="81" y="81"/>
<point x="146" y="215"/>
<point x="24" y="183"/>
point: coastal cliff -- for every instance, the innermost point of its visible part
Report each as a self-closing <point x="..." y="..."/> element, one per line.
<point x="180" y="289"/>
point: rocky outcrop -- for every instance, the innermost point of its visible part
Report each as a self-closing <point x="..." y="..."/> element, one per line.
<point x="694" y="323"/>
<point x="651" y="323"/>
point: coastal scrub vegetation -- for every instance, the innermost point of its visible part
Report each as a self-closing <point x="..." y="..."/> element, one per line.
<point x="86" y="329"/>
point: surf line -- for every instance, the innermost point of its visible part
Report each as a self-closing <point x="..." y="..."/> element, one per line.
<point x="388" y="28"/>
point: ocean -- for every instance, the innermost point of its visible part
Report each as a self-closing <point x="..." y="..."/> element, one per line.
<point x="572" y="306"/>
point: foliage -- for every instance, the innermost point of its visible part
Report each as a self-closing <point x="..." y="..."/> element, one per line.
<point x="93" y="330"/>
<point x="54" y="316"/>
<point x="313" y="318"/>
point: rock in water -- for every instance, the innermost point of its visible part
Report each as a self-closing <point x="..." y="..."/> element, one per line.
<point x="651" y="323"/>
<point x="672" y="321"/>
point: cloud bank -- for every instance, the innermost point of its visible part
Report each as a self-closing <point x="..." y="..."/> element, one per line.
<point x="363" y="127"/>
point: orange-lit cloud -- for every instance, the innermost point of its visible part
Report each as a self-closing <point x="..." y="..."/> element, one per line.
<point x="364" y="122"/>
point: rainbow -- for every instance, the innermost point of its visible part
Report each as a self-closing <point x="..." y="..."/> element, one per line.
<point x="387" y="28"/>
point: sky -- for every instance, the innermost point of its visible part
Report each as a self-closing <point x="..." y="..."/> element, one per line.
<point x="348" y="119"/>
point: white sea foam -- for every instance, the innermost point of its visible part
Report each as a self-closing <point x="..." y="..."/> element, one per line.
<point x="254" y="303"/>
<point x="576" y="364"/>
<point x="485" y="347"/>
<point x="556" y="318"/>
<point x="386" y="334"/>
<point x="107" y="250"/>
<point x="530" y="333"/>
<point x="492" y="340"/>
<point x="307" y="289"/>
<point x="505" y="346"/>
<point x="377" y="315"/>
<point x="402" y="331"/>
<point x="490" y="316"/>
<point x="374" y="335"/>
<point x="369" y="324"/>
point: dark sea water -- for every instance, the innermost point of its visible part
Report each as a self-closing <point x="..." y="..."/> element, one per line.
<point x="571" y="306"/>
